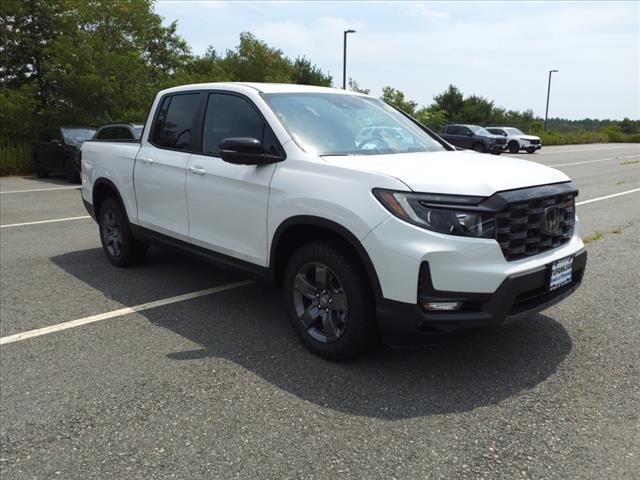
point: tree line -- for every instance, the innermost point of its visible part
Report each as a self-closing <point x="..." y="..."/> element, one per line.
<point x="91" y="62"/>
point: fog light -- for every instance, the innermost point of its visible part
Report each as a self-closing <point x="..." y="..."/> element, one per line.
<point x="447" y="306"/>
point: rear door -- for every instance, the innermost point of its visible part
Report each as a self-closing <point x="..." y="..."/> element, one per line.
<point x="160" y="167"/>
<point x="228" y="203"/>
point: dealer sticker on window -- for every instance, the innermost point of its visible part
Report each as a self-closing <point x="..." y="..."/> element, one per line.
<point x="561" y="272"/>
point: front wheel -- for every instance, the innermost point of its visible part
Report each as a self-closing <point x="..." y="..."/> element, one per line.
<point x="118" y="243"/>
<point x="328" y="300"/>
<point x="478" y="147"/>
<point x="531" y="150"/>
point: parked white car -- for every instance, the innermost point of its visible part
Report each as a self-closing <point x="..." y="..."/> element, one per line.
<point x="517" y="140"/>
<point x="393" y="238"/>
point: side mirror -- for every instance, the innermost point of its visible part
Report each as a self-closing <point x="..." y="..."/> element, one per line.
<point x="246" y="151"/>
<point x="55" y="141"/>
<point x="469" y="134"/>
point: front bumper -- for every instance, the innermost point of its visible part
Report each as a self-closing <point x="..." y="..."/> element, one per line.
<point x="497" y="148"/>
<point x="518" y="296"/>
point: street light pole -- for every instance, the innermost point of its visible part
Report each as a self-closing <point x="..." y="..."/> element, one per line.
<point x="546" y="113"/>
<point x="344" y="59"/>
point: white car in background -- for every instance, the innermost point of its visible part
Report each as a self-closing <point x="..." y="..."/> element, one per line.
<point x="517" y="140"/>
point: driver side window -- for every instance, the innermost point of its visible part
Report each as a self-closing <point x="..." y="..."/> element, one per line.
<point x="230" y="116"/>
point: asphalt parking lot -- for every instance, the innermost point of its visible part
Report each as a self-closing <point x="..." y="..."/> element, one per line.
<point x="217" y="386"/>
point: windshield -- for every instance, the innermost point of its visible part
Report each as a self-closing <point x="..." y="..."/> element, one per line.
<point x="480" y="131"/>
<point x="77" y="136"/>
<point x="514" y="131"/>
<point x="338" y="124"/>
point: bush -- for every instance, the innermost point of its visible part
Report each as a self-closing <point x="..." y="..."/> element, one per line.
<point x="15" y="158"/>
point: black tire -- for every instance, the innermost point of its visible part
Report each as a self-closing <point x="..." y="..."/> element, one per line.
<point x="71" y="173"/>
<point x="41" y="172"/>
<point x="352" y="328"/>
<point x="514" y="147"/>
<point x="478" y="147"/>
<point x="531" y="150"/>
<point x="118" y="243"/>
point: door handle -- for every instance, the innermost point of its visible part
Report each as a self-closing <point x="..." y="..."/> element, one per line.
<point x="197" y="170"/>
<point x="146" y="160"/>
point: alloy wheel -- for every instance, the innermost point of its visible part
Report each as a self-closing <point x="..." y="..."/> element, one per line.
<point x="320" y="302"/>
<point x="112" y="233"/>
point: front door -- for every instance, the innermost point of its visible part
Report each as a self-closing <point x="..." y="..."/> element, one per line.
<point x="228" y="203"/>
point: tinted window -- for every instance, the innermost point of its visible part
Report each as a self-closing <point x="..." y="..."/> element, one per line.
<point x="177" y="122"/>
<point x="123" y="133"/>
<point x="232" y="116"/>
<point x="105" y="134"/>
<point x="157" y="127"/>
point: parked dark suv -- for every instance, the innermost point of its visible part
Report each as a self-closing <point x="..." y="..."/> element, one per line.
<point x="474" y="137"/>
<point x="57" y="150"/>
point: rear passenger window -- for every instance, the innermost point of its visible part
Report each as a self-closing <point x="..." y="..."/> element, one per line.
<point x="173" y="128"/>
<point x="105" y="134"/>
<point x="232" y="116"/>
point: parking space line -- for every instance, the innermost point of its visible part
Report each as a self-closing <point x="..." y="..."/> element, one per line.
<point x="40" y="190"/>
<point x="608" y="196"/>
<point x="120" y="312"/>
<point x="591" y="161"/>
<point x="44" y="221"/>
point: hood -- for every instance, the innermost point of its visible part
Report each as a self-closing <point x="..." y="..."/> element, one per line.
<point x="461" y="173"/>
<point x="529" y="137"/>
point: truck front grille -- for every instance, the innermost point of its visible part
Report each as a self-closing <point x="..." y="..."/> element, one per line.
<point x="533" y="226"/>
<point x="501" y="141"/>
<point x="534" y="142"/>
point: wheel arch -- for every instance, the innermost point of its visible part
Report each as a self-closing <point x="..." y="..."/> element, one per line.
<point x="104" y="188"/>
<point x="299" y="230"/>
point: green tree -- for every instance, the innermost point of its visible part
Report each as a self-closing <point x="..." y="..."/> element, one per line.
<point x="354" y="87"/>
<point x="303" y="72"/>
<point x="397" y="99"/>
<point x="451" y="101"/>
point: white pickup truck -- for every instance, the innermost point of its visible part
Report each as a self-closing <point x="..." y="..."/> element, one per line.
<point x="392" y="236"/>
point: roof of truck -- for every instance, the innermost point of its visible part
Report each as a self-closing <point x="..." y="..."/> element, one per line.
<point x="265" y="87"/>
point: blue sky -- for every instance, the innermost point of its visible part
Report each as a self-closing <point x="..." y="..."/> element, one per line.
<point x="501" y="50"/>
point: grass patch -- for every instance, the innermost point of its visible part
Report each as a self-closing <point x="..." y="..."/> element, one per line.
<point x="629" y="162"/>
<point x="616" y="231"/>
<point x="594" y="237"/>
<point x="15" y="159"/>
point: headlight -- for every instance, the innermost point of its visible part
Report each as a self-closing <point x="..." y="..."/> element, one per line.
<point x="419" y="209"/>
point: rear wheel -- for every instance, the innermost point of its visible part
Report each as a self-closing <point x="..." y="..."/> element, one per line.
<point x="118" y="243"/>
<point x="328" y="301"/>
<point x="70" y="171"/>
<point x="41" y="172"/>
<point x="514" y="147"/>
<point x="478" y="147"/>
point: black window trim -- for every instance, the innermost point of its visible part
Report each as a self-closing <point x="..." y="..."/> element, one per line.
<point x="196" y="138"/>
<point x="203" y="112"/>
